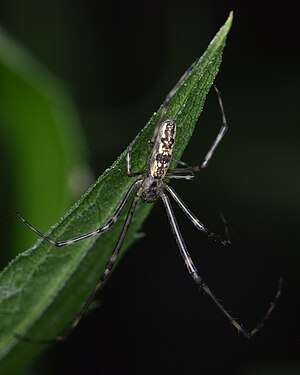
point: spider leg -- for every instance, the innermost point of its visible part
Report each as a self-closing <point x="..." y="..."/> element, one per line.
<point x="226" y="228"/>
<point x="187" y="177"/>
<point x="215" y="144"/>
<point x="162" y="114"/>
<point x="100" y="230"/>
<point x="191" y="267"/>
<point x="200" y="226"/>
<point x="166" y="102"/>
<point x="217" y="140"/>
<point x="180" y="162"/>
<point x="181" y="174"/>
<point x="128" y="160"/>
<point x="109" y="265"/>
<point x="201" y="283"/>
<point x="221" y="133"/>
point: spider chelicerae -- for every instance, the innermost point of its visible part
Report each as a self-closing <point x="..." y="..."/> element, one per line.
<point x="150" y="185"/>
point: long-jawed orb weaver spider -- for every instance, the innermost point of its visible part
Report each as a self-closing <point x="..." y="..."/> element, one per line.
<point x="149" y="186"/>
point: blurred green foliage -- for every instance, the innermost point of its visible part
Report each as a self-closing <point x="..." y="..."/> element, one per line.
<point x="40" y="137"/>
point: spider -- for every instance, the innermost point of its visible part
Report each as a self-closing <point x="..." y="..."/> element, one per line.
<point x="149" y="186"/>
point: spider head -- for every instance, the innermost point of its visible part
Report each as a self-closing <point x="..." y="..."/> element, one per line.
<point x="150" y="189"/>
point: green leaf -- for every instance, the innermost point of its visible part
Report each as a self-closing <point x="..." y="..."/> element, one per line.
<point x="39" y="134"/>
<point x="37" y="288"/>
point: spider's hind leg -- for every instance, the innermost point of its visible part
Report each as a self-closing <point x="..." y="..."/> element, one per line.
<point x="198" y="224"/>
<point x="201" y="283"/>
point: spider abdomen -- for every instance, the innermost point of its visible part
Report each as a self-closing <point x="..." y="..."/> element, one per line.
<point x="162" y="150"/>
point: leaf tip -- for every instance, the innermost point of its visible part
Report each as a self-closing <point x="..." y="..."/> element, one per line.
<point x="229" y="19"/>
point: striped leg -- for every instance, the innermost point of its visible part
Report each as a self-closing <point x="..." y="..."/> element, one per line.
<point x="200" y="226"/>
<point x="189" y="170"/>
<point x="100" y="230"/>
<point x="211" y="151"/>
<point x="166" y="102"/>
<point x="101" y="281"/>
<point x="128" y="159"/>
<point x="200" y="282"/>
<point x="160" y="120"/>
<point x="180" y="176"/>
<point x="221" y="133"/>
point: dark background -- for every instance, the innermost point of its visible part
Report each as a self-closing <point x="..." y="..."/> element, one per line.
<point x="118" y="60"/>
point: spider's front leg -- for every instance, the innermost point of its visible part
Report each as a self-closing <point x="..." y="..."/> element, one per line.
<point x="165" y="105"/>
<point x="219" y="136"/>
<point x="189" y="171"/>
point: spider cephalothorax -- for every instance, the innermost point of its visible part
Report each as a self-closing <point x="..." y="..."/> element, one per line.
<point x="150" y="189"/>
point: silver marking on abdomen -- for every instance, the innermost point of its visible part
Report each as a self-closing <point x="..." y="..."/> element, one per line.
<point x="162" y="150"/>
